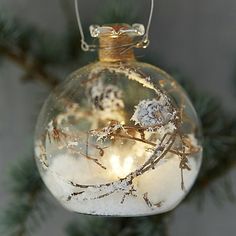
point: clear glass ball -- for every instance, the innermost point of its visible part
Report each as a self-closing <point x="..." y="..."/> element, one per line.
<point x="118" y="139"/>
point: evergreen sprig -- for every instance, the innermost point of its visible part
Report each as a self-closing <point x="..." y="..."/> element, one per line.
<point x="219" y="144"/>
<point x="141" y="226"/>
<point x="43" y="47"/>
<point x="26" y="209"/>
<point x="23" y="45"/>
<point x="116" y="12"/>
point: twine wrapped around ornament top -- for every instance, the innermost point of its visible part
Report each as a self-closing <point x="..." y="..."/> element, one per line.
<point x="116" y="41"/>
<point x="116" y="48"/>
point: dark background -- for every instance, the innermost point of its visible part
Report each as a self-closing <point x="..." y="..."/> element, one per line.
<point x="198" y="37"/>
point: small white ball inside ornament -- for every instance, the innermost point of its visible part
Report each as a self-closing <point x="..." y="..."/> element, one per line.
<point x="118" y="137"/>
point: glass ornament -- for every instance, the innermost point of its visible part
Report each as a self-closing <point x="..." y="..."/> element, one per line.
<point x="118" y="137"/>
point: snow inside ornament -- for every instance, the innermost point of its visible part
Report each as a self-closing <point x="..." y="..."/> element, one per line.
<point x="118" y="137"/>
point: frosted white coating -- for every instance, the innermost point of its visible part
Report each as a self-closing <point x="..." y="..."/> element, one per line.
<point x="118" y="139"/>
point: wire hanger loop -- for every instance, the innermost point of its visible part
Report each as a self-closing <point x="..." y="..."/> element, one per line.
<point x="142" y="43"/>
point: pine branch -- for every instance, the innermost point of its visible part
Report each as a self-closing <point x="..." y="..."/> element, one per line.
<point x="219" y="170"/>
<point x="34" y="51"/>
<point x="23" y="46"/>
<point x="118" y="11"/>
<point x="33" y="69"/>
<point x="152" y="225"/>
<point x="213" y="174"/>
<point x="219" y="139"/>
<point x="141" y="226"/>
<point x="219" y="131"/>
<point x="25" y="210"/>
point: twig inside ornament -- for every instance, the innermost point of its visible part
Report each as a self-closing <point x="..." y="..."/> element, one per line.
<point x="155" y="126"/>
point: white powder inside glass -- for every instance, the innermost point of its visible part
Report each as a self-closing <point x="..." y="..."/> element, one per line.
<point x="162" y="185"/>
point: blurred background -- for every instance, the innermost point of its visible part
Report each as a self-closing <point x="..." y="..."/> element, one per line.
<point x="195" y="37"/>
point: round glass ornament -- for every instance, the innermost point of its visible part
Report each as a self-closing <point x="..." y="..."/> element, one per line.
<point x="118" y="137"/>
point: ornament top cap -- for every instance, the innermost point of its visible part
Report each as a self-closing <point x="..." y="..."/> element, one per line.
<point x="116" y="30"/>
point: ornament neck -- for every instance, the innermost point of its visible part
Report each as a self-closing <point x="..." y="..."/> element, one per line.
<point x="116" y="41"/>
<point x="114" y="49"/>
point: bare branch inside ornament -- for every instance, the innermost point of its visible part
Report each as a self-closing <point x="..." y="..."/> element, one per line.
<point x="98" y="137"/>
